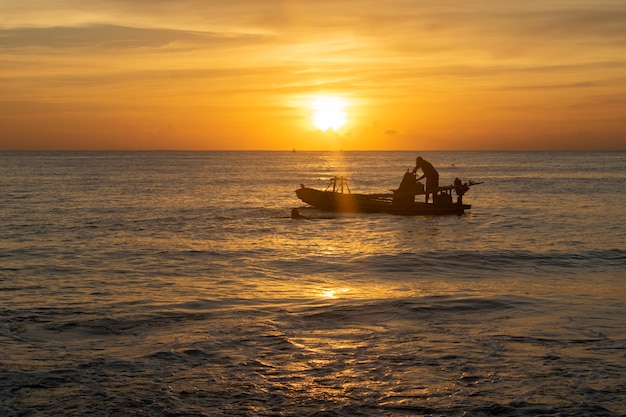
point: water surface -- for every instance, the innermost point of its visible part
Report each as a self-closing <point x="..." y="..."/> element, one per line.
<point x="175" y="283"/>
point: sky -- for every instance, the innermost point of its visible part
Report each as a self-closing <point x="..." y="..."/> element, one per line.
<point x="243" y="74"/>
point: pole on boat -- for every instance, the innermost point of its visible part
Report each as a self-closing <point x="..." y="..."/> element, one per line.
<point x="341" y="187"/>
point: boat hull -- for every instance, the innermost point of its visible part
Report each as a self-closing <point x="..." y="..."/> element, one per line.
<point x="377" y="203"/>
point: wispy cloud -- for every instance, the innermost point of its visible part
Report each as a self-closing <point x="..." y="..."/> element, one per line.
<point x="111" y="37"/>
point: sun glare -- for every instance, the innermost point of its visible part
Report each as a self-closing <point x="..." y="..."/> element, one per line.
<point x="328" y="112"/>
<point x="334" y="293"/>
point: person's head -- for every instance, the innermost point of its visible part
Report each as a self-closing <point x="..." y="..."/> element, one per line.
<point x="418" y="159"/>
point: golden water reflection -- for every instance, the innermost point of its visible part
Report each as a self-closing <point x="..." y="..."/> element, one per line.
<point x="335" y="293"/>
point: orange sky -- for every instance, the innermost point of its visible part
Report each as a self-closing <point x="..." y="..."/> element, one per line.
<point x="419" y="75"/>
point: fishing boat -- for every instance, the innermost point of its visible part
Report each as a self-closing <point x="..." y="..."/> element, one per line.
<point x="337" y="197"/>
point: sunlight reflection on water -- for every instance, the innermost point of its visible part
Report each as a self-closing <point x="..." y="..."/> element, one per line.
<point x="335" y="293"/>
<point x="176" y="284"/>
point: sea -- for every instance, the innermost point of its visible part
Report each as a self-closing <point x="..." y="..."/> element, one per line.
<point x="177" y="284"/>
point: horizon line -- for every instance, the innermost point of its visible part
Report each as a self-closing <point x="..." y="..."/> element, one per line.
<point x="294" y="150"/>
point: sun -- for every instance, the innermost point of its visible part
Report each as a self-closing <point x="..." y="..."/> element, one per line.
<point x="328" y="112"/>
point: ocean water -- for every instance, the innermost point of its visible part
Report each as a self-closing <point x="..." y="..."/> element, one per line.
<point x="175" y="284"/>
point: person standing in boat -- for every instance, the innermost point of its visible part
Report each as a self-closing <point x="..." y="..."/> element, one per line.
<point x="431" y="175"/>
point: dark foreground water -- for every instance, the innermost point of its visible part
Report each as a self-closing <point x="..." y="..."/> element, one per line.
<point x="175" y="284"/>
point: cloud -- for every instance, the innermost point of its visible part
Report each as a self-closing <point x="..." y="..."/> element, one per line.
<point x="593" y="21"/>
<point x="113" y="37"/>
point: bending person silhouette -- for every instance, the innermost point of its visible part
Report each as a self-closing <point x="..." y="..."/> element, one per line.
<point x="431" y="175"/>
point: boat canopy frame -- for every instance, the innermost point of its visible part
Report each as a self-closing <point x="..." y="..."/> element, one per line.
<point x="339" y="185"/>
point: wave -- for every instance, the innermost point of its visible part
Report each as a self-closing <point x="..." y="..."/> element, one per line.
<point x="372" y="311"/>
<point x="453" y="263"/>
<point x="486" y="262"/>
